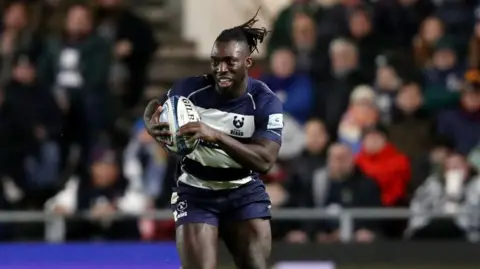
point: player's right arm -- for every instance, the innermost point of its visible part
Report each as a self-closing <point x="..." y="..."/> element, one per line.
<point x="159" y="130"/>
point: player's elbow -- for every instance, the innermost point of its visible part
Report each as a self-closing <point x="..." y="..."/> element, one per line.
<point x="266" y="162"/>
<point x="264" y="167"/>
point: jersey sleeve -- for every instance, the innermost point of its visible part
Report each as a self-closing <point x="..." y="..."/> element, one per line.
<point x="269" y="118"/>
<point x="182" y="87"/>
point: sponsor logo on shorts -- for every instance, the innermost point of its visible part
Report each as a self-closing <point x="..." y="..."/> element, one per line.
<point x="181" y="206"/>
<point x="178" y="215"/>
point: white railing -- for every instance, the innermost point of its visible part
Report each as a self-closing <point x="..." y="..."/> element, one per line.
<point x="344" y="216"/>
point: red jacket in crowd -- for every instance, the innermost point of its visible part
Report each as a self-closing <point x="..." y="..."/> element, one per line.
<point x="390" y="169"/>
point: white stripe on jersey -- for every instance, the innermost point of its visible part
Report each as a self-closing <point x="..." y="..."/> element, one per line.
<point x="213" y="157"/>
<point x="224" y="121"/>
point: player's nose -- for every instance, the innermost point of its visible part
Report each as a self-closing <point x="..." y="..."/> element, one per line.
<point x="223" y="67"/>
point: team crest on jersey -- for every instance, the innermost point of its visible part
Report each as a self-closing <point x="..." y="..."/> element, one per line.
<point x="238" y="122"/>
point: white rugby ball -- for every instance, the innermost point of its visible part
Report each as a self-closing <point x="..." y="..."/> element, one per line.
<point x="178" y="111"/>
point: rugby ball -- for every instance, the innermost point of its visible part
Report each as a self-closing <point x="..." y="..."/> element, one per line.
<point x="178" y="111"/>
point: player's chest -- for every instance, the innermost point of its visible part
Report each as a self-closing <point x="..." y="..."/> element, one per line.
<point x="233" y="124"/>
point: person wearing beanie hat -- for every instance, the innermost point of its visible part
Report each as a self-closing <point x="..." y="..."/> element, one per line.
<point x="443" y="79"/>
<point x="361" y="113"/>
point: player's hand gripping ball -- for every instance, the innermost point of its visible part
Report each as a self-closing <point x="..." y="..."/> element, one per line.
<point x="178" y="111"/>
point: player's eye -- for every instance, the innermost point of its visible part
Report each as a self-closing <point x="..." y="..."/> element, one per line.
<point x="215" y="62"/>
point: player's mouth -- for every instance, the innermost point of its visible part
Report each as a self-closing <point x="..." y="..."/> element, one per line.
<point x="224" y="82"/>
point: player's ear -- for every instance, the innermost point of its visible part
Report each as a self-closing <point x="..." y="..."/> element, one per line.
<point x="248" y="62"/>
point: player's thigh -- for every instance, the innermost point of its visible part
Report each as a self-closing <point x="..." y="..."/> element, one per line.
<point x="197" y="245"/>
<point x="196" y="221"/>
<point x="249" y="242"/>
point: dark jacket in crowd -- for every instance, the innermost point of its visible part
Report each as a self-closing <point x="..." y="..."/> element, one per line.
<point x="136" y="30"/>
<point x="25" y="108"/>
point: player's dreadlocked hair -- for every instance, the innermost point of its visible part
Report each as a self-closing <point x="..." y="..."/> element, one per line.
<point x="245" y="33"/>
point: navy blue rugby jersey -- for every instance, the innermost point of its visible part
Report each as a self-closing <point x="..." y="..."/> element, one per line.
<point x="256" y="114"/>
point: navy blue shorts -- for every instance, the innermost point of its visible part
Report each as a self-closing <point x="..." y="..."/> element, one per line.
<point x="195" y="205"/>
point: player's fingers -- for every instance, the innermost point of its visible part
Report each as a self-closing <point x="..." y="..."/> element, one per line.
<point x="160" y="132"/>
<point x="150" y="110"/>
<point x="193" y="138"/>
<point x="165" y="140"/>
<point x="156" y="114"/>
<point x="191" y="127"/>
<point x="187" y="130"/>
<point x="159" y="126"/>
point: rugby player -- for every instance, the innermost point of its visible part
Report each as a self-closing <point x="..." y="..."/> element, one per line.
<point x="218" y="191"/>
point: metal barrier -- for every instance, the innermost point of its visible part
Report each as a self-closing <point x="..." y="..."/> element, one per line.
<point x="344" y="216"/>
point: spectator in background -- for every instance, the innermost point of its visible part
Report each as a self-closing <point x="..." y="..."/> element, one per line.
<point x="387" y="83"/>
<point x="456" y="188"/>
<point x="412" y="128"/>
<point x="134" y="46"/>
<point x="368" y="43"/>
<point x="16" y="38"/>
<point x="462" y="124"/>
<point x="332" y="21"/>
<point x="293" y="88"/>
<point x="34" y="131"/>
<point x="306" y="167"/>
<point x="474" y="156"/>
<point x="398" y="20"/>
<point x="342" y="185"/>
<point x="431" y="30"/>
<point x="459" y="18"/>
<point x="432" y="163"/>
<point x="382" y="162"/>
<point x="293" y="139"/>
<point x="302" y="172"/>
<point x="474" y="45"/>
<point x="304" y="41"/>
<point x="101" y="194"/>
<point x="444" y="78"/>
<point x="412" y="131"/>
<point x="361" y="113"/>
<point x="145" y="163"/>
<point x="284" y="23"/>
<point x="333" y="92"/>
<point x="75" y="66"/>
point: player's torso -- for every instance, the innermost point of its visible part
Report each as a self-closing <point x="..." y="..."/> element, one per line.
<point x="235" y="118"/>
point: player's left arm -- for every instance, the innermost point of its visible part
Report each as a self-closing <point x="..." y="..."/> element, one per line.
<point x="261" y="153"/>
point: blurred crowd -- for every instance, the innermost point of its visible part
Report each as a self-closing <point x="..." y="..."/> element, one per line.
<point x="387" y="96"/>
<point x="381" y="102"/>
<point x="72" y="80"/>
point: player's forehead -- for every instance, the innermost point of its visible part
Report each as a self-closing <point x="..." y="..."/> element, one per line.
<point x="228" y="49"/>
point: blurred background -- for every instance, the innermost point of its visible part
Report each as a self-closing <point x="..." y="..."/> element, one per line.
<point x="381" y="152"/>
